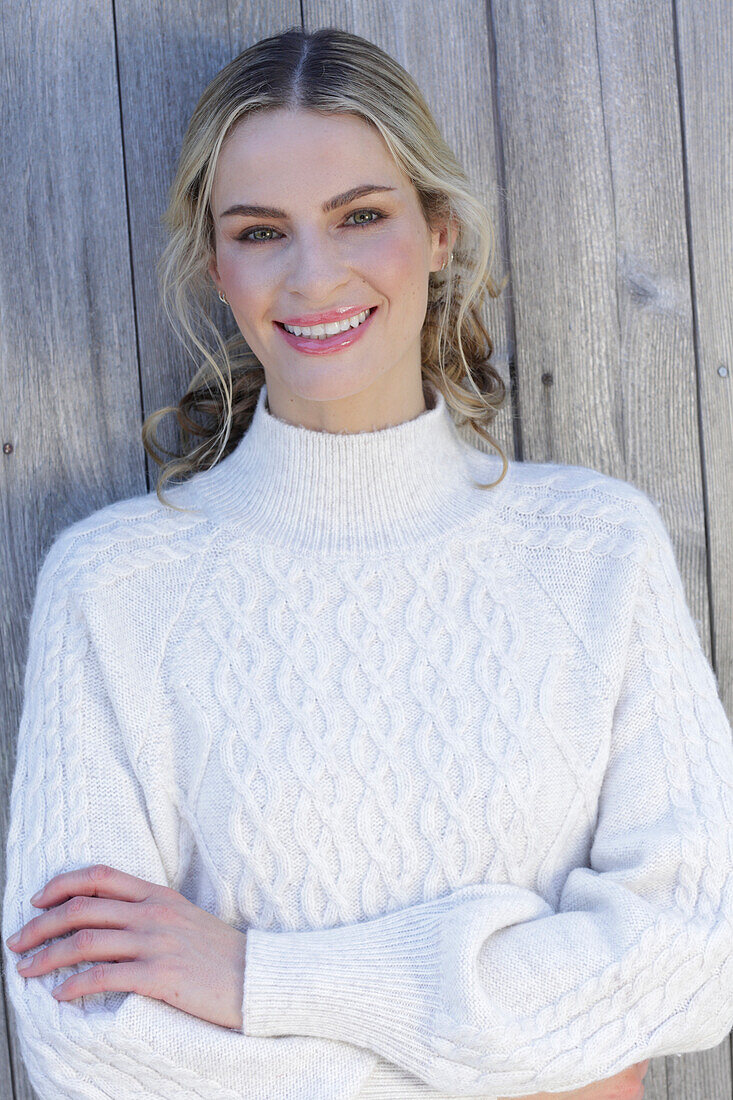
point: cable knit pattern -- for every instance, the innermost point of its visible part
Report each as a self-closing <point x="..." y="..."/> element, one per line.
<point x="453" y="758"/>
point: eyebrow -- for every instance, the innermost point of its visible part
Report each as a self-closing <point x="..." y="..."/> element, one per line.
<point x="248" y="210"/>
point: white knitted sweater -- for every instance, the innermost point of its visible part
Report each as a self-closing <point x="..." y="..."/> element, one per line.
<point x="454" y="758"/>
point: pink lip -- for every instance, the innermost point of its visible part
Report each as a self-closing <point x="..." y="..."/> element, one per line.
<point x="337" y="342"/>
<point x="309" y="319"/>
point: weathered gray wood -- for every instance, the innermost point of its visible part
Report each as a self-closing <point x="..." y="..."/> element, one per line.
<point x="67" y="337"/>
<point x="168" y="53"/>
<point x="704" y="42"/>
<point x="705" y="59"/>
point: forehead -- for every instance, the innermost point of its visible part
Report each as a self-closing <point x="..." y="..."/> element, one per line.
<point x="286" y="152"/>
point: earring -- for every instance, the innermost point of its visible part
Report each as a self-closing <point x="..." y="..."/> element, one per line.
<point x="446" y="262"/>
<point x="223" y="299"/>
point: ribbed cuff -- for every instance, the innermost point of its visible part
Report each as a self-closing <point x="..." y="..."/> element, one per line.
<point x="372" y="984"/>
<point x="390" y="984"/>
<point x="388" y="1082"/>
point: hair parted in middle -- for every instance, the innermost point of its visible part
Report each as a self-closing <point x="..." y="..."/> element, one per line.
<point x="330" y="71"/>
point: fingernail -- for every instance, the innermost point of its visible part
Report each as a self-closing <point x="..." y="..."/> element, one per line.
<point x="12" y="940"/>
<point x="36" y="896"/>
<point x="24" y="964"/>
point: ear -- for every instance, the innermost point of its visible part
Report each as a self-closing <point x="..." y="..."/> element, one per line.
<point x="443" y="240"/>
<point x="214" y="273"/>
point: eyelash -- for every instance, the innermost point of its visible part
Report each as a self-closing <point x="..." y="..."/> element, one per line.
<point x="357" y="225"/>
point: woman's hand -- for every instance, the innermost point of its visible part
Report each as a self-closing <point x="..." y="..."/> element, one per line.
<point x="627" y="1085"/>
<point x="176" y="951"/>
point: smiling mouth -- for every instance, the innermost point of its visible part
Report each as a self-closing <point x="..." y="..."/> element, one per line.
<point x="328" y="329"/>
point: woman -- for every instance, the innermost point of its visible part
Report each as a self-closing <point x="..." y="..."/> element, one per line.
<point x="365" y="764"/>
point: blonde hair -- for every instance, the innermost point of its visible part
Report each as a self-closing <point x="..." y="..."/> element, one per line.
<point x="330" y="71"/>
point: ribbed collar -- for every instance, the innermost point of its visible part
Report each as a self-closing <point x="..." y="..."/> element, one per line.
<point x="343" y="493"/>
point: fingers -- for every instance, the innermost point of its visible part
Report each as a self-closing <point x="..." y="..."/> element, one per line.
<point x="86" y="945"/>
<point x="598" y="1090"/>
<point x="78" y="912"/>
<point x="97" y="880"/>
<point x="127" y="977"/>
<point x="625" y="1084"/>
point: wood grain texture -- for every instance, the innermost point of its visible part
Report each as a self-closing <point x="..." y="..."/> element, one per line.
<point x="598" y="133"/>
<point x="67" y="335"/>
<point x="704" y="36"/>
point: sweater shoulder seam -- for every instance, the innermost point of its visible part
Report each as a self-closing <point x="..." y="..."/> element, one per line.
<point x="597" y="513"/>
<point x="75" y="560"/>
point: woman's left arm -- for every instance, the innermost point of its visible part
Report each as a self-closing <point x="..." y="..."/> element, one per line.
<point x="488" y="990"/>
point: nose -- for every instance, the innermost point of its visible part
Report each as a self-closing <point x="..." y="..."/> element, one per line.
<point x="316" y="270"/>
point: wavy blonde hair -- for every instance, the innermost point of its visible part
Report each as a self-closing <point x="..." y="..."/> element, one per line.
<point x="331" y="71"/>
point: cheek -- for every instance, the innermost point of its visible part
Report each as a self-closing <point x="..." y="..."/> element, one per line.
<point x="401" y="256"/>
<point x="400" y="265"/>
<point x="407" y="263"/>
<point x="244" y="285"/>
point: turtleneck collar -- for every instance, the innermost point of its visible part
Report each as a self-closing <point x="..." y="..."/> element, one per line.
<point x="344" y="493"/>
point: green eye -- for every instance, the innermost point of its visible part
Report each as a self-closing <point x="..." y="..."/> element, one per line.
<point x="366" y="212"/>
<point x="258" y="229"/>
<point x="247" y="235"/>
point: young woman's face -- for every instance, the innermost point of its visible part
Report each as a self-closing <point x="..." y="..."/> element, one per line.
<point x="295" y="260"/>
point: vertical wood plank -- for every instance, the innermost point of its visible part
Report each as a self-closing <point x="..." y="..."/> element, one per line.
<point x="705" y="59"/>
<point x="704" y="41"/>
<point x="67" y="337"/>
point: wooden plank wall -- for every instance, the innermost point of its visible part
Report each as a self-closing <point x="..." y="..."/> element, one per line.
<point x="599" y="134"/>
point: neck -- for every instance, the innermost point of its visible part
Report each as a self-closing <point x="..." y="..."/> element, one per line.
<point x="343" y="493"/>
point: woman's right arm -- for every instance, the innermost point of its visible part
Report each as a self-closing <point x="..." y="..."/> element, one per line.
<point x="82" y="794"/>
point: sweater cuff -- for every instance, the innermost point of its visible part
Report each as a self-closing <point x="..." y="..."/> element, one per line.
<point x="372" y="984"/>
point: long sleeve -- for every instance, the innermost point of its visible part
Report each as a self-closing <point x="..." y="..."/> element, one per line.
<point x="488" y="990"/>
<point x="76" y="800"/>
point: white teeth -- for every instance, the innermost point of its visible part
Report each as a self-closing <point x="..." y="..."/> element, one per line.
<point x="320" y="332"/>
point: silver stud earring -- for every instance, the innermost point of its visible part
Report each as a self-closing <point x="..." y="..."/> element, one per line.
<point x="446" y="262"/>
<point x="223" y="299"/>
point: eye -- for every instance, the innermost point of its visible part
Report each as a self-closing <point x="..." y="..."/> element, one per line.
<point x="257" y="229"/>
<point x="247" y="234"/>
<point x="379" y="216"/>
